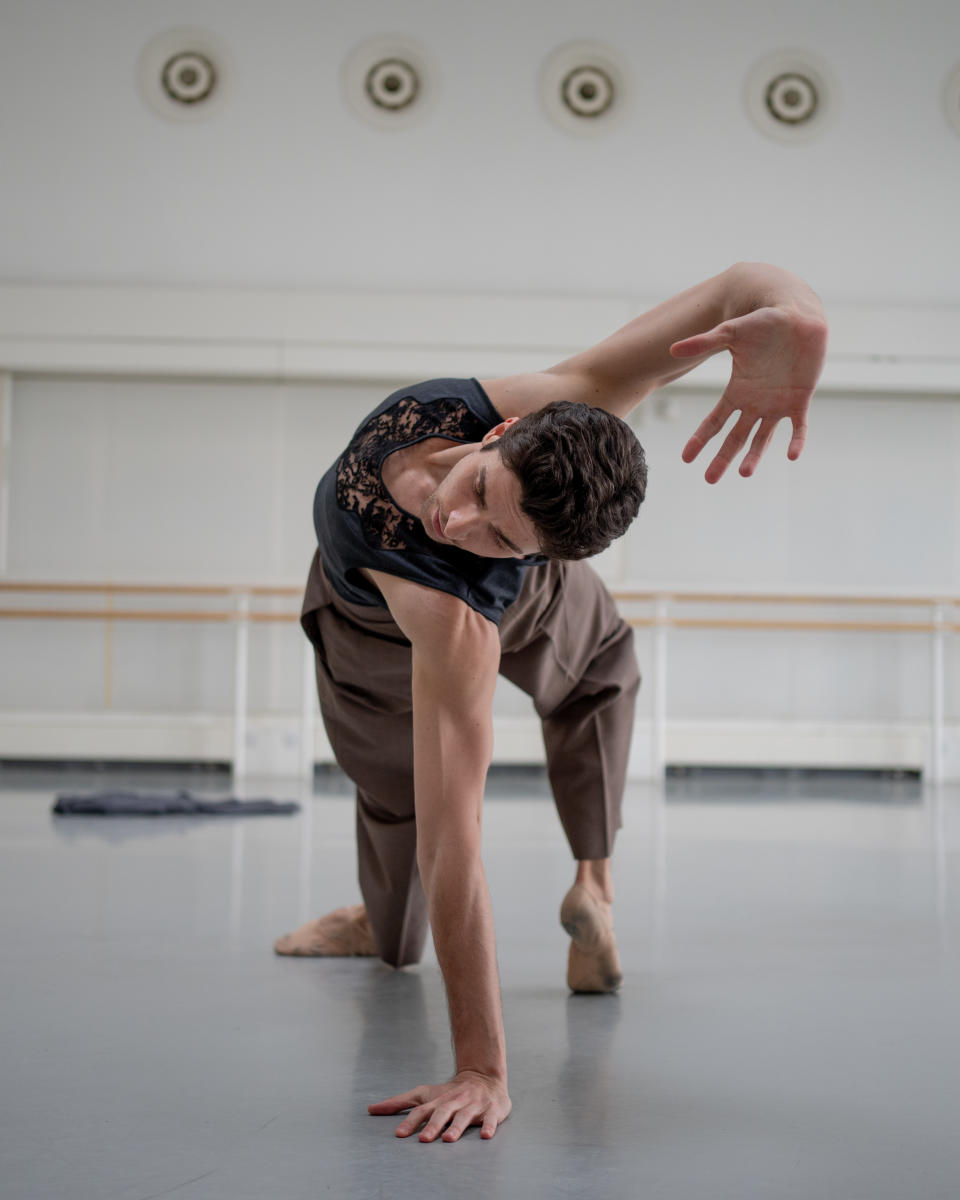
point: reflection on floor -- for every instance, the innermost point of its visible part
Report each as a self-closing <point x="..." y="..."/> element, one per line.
<point x="788" y="1025"/>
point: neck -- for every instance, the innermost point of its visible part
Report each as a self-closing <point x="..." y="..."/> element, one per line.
<point x="414" y="473"/>
<point x="439" y="461"/>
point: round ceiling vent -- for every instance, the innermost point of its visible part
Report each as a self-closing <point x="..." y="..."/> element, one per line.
<point x="184" y="74"/>
<point x="389" y="82"/>
<point x="951" y="99"/>
<point x="790" y="96"/>
<point x="588" y="92"/>
<point x="392" y="84"/>
<point x="584" y="88"/>
<point x="189" y="78"/>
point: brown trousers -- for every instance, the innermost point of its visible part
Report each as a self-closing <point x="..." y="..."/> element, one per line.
<point x="562" y="642"/>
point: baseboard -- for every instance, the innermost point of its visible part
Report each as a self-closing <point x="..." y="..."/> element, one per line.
<point x="273" y="742"/>
<point x="848" y="745"/>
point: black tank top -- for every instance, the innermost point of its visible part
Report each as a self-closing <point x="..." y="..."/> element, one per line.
<point x="358" y="524"/>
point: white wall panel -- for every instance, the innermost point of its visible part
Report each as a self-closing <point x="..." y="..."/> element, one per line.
<point x="170" y="667"/>
<point x="798" y="676"/>
<point x="51" y="666"/>
<point x="171" y="481"/>
<point x="873" y="503"/>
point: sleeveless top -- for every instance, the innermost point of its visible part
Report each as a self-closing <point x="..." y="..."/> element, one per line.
<point x="358" y="523"/>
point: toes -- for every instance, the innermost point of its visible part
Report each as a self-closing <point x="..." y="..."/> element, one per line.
<point x="340" y="934"/>
<point x="294" y="947"/>
<point x="586" y="976"/>
<point x="301" y="942"/>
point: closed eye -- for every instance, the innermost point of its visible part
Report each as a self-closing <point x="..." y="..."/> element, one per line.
<point x="480" y="486"/>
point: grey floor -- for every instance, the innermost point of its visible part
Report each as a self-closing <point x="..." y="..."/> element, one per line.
<point x="788" y="1025"/>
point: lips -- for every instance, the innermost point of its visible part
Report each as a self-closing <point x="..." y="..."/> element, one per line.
<point x="437" y="527"/>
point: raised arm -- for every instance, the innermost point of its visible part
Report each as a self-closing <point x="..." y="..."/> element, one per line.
<point x="456" y="654"/>
<point x="771" y="322"/>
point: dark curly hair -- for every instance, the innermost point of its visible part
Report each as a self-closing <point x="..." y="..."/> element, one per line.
<point x="582" y="475"/>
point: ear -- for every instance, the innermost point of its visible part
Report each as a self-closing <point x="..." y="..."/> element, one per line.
<point x="497" y="431"/>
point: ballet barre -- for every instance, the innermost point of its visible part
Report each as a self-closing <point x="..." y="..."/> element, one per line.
<point x="937" y="622"/>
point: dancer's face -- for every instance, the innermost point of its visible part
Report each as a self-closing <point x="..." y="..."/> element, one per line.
<point x="477" y="508"/>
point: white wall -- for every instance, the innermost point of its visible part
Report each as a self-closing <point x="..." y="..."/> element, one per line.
<point x="287" y="188"/>
<point x="199" y="482"/>
<point x="873" y="504"/>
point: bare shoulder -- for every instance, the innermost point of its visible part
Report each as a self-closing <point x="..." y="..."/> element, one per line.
<point x="441" y="627"/>
<point x="518" y="395"/>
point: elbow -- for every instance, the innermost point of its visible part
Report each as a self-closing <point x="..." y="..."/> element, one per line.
<point x="763" y="285"/>
<point x="759" y="279"/>
<point x="752" y="269"/>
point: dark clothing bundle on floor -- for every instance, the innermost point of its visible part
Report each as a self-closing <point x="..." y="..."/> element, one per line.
<point x="157" y="804"/>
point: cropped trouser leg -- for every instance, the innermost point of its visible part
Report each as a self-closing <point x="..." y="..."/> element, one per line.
<point x="363" y="680"/>
<point x="578" y="665"/>
<point x="390" y="881"/>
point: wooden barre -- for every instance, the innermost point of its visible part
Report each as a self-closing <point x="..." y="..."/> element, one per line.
<point x="165" y="589"/>
<point x="225" y="589"/>
<point x="838" y="626"/>
<point x="115" y="614"/>
<point x="748" y="598"/>
<point x="158" y="589"/>
<point x="109" y="614"/>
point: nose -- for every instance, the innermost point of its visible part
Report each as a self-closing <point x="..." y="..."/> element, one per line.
<point x="459" y="524"/>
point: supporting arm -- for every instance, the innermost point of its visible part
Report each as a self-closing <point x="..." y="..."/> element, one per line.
<point x="456" y="654"/>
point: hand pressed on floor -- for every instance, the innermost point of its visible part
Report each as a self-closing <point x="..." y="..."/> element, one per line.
<point x="469" y="1098"/>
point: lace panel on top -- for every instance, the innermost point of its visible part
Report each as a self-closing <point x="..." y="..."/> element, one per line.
<point x="359" y="486"/>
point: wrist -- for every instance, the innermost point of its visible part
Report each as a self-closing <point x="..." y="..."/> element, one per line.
<point x="493" y="1074"/>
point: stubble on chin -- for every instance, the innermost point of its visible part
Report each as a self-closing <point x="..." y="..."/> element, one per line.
<point x="426" y="515"/>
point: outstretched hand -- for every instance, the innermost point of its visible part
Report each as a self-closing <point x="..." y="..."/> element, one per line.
<point x="777" y="358"/>
<point x="468" y="1099"/>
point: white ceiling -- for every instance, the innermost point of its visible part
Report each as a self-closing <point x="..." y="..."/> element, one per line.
<point x="285" y="185"/>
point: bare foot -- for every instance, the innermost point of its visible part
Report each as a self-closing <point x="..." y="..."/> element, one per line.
<point x="593" y="964"/>
<point x="343" y="933"/>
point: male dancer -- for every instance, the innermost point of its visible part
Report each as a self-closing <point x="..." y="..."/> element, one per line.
<point x="450" y="537"/>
